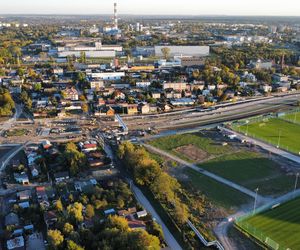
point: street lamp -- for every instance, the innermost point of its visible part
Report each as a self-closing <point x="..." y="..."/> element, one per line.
<point x="279" y="137"/>
<point x="255" y="200"/>
<point x="296" y="183"/>
<point x="247" y="129"/>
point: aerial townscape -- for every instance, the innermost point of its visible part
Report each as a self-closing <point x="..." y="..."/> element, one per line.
<point x="148" y="131"/>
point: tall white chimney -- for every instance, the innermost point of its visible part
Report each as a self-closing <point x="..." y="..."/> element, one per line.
<point x="115" y="16"/>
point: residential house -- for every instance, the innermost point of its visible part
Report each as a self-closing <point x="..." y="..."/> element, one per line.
<point x="179" y="86"/>
<point x="144" y="108"/>
<point x="35" y="241"/>
<point x="156" y="95"/>
<point x="50" y="218"/>
<point x="17" y="243"/>
<point x="61" y="176"/>
<point x="71" y="94"/>
<point x="12" y="219"/>
<point x="21" y="178"/>
<point x="24" y="195"/>
<point x="141" y="214"/>
<point x="280" y="78"/>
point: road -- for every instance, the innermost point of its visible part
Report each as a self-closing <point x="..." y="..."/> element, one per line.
<point x="171" y="241"/>
<point x="267" y="147"/>
<point x="8" y="158"/>
<point x="191" y="118"/>
<point x="8" y="124"/>
<point x="207" y="173"/>
<point x="169" y="238"/>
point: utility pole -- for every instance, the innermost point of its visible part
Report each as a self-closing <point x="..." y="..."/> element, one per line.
<point x="255" y="200"/>
<point x="296" y="183"/>
<point x="247" y="129"/>
<point x="279" y="137"/>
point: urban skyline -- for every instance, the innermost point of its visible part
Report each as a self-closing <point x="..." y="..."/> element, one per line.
<point x="216" y="7"/>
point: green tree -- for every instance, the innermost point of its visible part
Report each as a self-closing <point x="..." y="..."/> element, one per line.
<point x="37" y="87"/>
<point x="74" y="159"/>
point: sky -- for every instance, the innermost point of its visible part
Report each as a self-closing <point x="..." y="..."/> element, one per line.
<point x="154" y="7"/>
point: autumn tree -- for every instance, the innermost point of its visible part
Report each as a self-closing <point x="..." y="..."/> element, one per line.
<point x="71" y="245"/>
<point x="75" y="211"/>
<point x="55" y="238"/>
<point x="166" y="52"/>
<point x="89" y="211"/>
<point x="68" y="228"/>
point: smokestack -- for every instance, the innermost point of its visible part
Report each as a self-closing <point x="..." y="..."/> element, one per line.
<point x="115" y="16"/>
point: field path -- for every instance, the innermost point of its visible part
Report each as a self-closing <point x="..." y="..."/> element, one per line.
<point x="207" y="173"/>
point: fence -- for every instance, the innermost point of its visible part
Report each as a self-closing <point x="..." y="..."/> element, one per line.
<point x="258" y="234"/>
<point x="291" y="116"/>
<point x="215" y="243"/>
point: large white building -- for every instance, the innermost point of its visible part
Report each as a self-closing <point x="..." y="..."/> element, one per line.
<point x="108" y="76"/>
<point x="183" y="50"/>
<point x="97" y="50"/>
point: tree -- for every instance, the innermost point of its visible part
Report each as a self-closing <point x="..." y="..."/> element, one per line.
<point x="155" y="229"/>
<point x="181" y="212"/>
<point x="164" y="187"/>
<point x="75" y="211"/>
<point x="85" y="107"/>
<point x="37" y="87"/>
<point x="82" y="57"/>
<point x="71" y="245"/>
<point x="166" y="52"/>
<point x="74" y="159"/>
<point x="89" y="211"/>
<point x="59" y="206"/>
<point x="55" y="238"/>
<point x="7" y="104"/>
<point x="140" y="239"/>
<point x="26" y="99"/>
<point x="68" y="228"/>
<point x="99" y="204"/>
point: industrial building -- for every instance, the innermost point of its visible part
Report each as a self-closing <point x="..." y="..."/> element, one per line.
<point x="183" y="50"/>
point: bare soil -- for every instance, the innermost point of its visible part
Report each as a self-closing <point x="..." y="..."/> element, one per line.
<point x="192" y="152"/>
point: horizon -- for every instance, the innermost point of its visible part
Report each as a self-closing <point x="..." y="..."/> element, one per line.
<point x="133" y="7"/>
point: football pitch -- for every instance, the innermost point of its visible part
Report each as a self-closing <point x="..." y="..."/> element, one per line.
<point x="278" y="228"/>
<point x="274" y="131"/>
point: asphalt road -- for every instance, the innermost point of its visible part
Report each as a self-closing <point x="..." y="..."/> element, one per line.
<point x="169" y="238"/>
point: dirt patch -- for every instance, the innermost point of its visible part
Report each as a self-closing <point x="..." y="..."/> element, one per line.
<point x="192" y="152"/>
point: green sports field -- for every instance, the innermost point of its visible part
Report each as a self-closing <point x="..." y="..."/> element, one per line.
<point x="274" y="131"/>
<point x="279" y="228"/>
<point x="293" y="117"/>
<point x="251" y="170"/>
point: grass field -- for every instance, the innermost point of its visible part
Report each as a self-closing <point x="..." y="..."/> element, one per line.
<point x="170" y="143"/>
<point x="275" y="131"/>
<point x="281" y="225"/>
<point x="218" y="193"/>
<point x="247" y="168"/>
<point x="252" y="170"/>
<point x="293" y="117"/>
